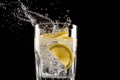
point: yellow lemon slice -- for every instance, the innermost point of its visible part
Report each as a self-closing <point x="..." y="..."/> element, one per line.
<point x="68" y="38"/>
<point x="47" y="35"/>
<point x="64" y="53"/>
<point x="60" y="34"/>
<point x="51" y="35"/>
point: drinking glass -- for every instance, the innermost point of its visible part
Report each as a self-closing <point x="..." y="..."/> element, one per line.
<point x="55" y="47"/>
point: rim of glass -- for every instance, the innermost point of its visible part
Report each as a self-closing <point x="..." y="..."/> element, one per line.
<point x="55" y="23"/>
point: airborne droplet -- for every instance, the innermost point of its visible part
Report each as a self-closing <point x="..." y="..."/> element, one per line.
<point x="59" y="17"/>
<point x="52" y="4"/>
<point x="46" y="9"/>
<point x="46" y="15"/>
<point x="55" y="8"/>
<point x="68" y="11"/>
<point x="68" y="20"/>
<point x="41" y="8"/>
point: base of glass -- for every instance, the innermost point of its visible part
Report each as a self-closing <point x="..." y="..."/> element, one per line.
<point x="55" y="78"/>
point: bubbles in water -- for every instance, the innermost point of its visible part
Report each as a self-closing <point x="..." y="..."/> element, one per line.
<point x="51" y="64"/>
<point x="57" y="21"/>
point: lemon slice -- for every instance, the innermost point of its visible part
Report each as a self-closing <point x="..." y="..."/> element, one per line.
<point x="60" y="34"/>
<point x="47" y="35"/>
<point x="68" y="38"/>
<point x="64" y="53"/>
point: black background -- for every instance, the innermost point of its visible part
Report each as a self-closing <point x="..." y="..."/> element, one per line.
<point x="16" y="43"/>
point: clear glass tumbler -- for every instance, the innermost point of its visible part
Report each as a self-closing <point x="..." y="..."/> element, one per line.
<point x="55" y="51"/>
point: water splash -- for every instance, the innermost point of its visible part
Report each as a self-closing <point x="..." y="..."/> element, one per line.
<point x="19" y="10"/>
<point x="22" y="12"/>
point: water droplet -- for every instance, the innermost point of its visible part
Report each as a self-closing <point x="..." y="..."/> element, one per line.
<point x="41" y="15"/>
<point x="68" y="20"/>
<point x="59" y="17"/>
<point x="41" y="8"/>
<point x="18" y="10"/>
<point x="2" y="6"/>
<point x="46" y="15"/>
<point x="66" y="16"/>
<point x="68" y="11"/>
<point x="5" y="1"/>
<point x="30" y="2"/>
<point x="55" y="8"/>
<point x="3" y="25"/>
<point x="36" y="7"/>
<point x="52" y="4"/>
<point x="46" y="9"/>
<point x="7" y="20"/>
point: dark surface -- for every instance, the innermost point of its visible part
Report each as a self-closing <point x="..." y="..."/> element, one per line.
<point x="16" y="44"/>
